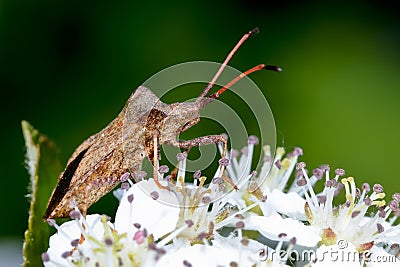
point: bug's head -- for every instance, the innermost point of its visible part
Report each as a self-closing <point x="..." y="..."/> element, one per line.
<point x="182" y="116"/>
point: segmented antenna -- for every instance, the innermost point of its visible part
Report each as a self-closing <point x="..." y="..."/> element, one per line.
<point x="214" y="96"/>
<point x="214" y="79"/>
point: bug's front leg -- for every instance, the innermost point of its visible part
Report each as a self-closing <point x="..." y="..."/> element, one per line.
<point x="156" y="163"/>
<point x="206" y="140"/>
<point x="201" y="141"/>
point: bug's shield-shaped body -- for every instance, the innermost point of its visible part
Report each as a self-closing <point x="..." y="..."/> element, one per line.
<point x="97" y="164"/>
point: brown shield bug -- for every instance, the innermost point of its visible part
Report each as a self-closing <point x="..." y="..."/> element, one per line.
<point x="97" y="164"/>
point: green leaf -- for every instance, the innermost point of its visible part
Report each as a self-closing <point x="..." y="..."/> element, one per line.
<point x="43" y="167"/>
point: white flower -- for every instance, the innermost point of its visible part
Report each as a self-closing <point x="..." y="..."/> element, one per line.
<point x="155" y="209"/>
<point x="64" y="242"/>
<point x="285" y="208"/>
<point x="269" y="184"/>
<point x="329" y="224"/>
<point x="232" y="252"/>
<point x="194" y="211"/>
<point x="350" y="221"/>
<point x="273" y="226"/>
<point x="201" y="255"/>
<point x="200" y="224"/>
<point x="94" y="242"/>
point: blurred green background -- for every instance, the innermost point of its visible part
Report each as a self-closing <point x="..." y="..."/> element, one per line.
<point x="68" y="67"/>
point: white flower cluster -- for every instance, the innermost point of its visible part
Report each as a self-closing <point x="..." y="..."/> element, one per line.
<point x="272" y="218"/>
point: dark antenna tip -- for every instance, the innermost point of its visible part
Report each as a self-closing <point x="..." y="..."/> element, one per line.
<point x="273" y="68"/>
<point x="254" y="31"/>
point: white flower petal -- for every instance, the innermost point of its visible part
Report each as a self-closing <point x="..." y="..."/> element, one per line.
<point x="202" y="255"/>
<point x="333" y="256"/>
<point x="159" y="216"/>
<point x="272" y="226"/>
<point x="290" y="204"/>
<point x="252" y="245"/>
<point x="59" y="243"/>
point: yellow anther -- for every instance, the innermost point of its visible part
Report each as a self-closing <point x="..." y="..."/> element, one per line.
<point x="280" y="151"/>
<point x="380" y="195"/>
<point x="181" y="181"/>
<point x="349" y="197"/>
<point x="202" y="180"/>
<point x="285" y="163"/>
<point x="381" y="203"/>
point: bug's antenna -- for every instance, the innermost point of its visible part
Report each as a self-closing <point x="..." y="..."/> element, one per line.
<point x="214" y="96"/>
<point x="221" y="68"/>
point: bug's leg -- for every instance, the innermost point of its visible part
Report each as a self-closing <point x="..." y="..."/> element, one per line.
<point x="173" y="175"/>
<point x="85" y="200"/>
<point x="229" y="181"/>
<point x="156" y="164"/>
<point x="206" y="140"/>
<point x="201" y="141"/>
